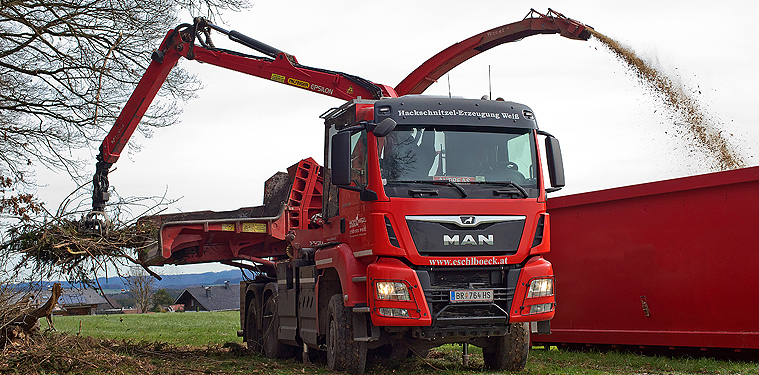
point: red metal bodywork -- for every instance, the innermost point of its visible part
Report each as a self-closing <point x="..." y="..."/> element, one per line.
<point x="390" y="269"/>
<point x="366" y="238"/>
<point x="534" y="268"/>
<point x="670" y="263"/>
<point x="534" y="23"/>
<point x="284" y="69"/>
<point x="239" y="236"/>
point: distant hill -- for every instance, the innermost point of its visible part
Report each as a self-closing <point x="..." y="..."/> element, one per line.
<point x="176" y="281"/>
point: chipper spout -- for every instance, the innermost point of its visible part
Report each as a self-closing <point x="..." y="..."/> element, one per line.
<point x="568" y="27"/>
<point x="535" y="23"/>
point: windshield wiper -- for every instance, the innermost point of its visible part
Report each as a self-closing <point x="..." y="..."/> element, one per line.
<point x="454" y="184"/>
<point x="520" y="190"/>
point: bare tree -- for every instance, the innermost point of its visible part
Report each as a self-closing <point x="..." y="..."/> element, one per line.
<point x="141" y="286"/>
<point x="20" y="205"/>
<point x="66" y="67"/>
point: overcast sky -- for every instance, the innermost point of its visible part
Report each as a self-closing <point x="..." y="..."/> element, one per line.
<point x="241" y="130"/>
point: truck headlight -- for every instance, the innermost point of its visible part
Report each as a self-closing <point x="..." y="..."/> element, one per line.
<point x="393" y="312"/>
<point x="540" y="288"/>
<point x="541" y="308"/>
<point x="392" y="291"/>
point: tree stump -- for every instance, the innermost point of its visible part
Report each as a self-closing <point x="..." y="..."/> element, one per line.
<point x="26" y="323"/>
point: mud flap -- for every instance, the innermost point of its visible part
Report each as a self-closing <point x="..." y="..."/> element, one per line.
<point x="541" y="328"/>
<point x="363" y="329"/>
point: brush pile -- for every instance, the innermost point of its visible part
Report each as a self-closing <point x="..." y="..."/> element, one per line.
<point x="58" y="248"/>
<point x="12" y="305"/>
<point x="19" y="320"/>
<point x="60" y="353"/>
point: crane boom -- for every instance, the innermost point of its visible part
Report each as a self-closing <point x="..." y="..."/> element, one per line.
<point x="281" y="67"/>
<point x="180" y="42"/>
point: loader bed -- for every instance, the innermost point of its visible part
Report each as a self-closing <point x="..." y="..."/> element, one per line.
<point x="207" y="236"/>
<point x="292" y="201"/>
<point x="666" y="264"/>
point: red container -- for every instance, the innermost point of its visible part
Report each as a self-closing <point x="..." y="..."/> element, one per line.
<point x="673" y="263"/>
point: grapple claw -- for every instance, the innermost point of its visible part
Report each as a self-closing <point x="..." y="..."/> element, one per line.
<point x="95" y="222"/>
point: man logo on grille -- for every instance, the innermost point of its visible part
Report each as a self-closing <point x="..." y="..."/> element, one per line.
<point x="482" y="240"/>
<point x="467" y="220"/>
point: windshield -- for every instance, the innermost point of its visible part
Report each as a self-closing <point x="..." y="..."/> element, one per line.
<point x="432" y="154"/>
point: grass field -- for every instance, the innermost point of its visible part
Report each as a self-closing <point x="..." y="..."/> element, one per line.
<point x="190" y="328"/>
<point x="207" y="343"/>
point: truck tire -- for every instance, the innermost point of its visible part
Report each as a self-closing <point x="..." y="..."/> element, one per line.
<point x="252" y="332"/>
<point x="272" y="347"/>
<point x="343" y="354"/>
<point x="509" y="352"/>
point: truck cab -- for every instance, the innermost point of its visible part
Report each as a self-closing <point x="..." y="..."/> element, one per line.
<point x="434" y="223"/>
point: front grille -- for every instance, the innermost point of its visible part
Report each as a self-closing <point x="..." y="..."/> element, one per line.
<point x="456" y="280"/>
<point x="447" y="236"/>
<point x="460" y="331"/>
<point x="444" y="296"/>
<point x="463" y="312"/>
<point x="438" y="282"/>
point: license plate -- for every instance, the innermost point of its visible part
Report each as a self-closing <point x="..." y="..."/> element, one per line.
<point x="472" y="295"/>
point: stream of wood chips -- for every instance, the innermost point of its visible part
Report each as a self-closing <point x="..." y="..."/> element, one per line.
<point x="681" y="105"/>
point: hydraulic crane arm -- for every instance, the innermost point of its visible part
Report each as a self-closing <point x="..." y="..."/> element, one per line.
<point x="279" y="67"/>
<point x="284" y="68"/>
<point x="180" y="42"/>
<point x="534" y="23"/>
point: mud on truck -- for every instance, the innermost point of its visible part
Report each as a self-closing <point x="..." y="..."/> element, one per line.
<point x="426" y="226"/>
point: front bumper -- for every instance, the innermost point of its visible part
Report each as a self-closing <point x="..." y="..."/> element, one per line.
<point x="431" y="309"/>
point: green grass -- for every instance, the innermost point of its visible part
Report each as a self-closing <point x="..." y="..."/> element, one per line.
<point x="189" y="328"/>
<point x="556" y="361"/>
<point x="207" y="342"/>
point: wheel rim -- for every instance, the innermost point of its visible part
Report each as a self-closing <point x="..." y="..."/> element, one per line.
<point x="252" y="334"/>
<point x="268" y="322"/>
<point x="331" y="343"/>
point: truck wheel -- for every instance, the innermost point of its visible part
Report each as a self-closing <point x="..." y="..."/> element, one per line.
<point x="252" y="333"/>
<point x="508" y="352"/>
<point x="343" y="354"/>
<point x="272" y="347"/>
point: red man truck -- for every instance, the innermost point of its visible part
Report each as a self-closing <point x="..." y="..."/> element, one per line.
<point x="426" y="226"/>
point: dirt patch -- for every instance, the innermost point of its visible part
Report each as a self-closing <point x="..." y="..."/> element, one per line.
<point x="683" y="108"/>
<point x="68" y="354"/>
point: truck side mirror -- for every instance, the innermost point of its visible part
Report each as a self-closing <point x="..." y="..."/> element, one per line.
<point x="555" y="164"/>
<point x="384" y="127"/>
<point x="340" y="157"/>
